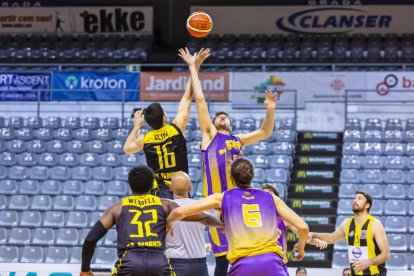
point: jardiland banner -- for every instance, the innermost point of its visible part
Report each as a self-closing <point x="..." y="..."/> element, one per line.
<point x="170" y="86"/>
<point x="95" y="86"/>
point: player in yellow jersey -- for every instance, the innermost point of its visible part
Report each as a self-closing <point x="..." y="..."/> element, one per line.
<point x="165" y="145"/>
<point x="367" y="242"/>
<point x="140" y="221"/>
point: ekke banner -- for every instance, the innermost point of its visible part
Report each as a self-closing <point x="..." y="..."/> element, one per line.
<point x="170" y="86"/>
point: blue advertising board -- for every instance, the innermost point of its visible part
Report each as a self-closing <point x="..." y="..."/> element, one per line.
<point x="95" y="86"/>
<point x="24" y="86"/>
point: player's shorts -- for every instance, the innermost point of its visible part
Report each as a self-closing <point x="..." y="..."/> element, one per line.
<point x="142" y="262"/>
<point x="268" y="264"/>
<point x="218" y="242"/>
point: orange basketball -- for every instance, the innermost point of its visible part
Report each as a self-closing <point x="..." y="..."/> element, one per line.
<point x="199" y="24"/>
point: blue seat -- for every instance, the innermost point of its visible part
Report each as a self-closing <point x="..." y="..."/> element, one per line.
<point x="36" y="146"/>
<point x="351" y="162"/>
<point x="19" y="202"/>
<point x="57" y="255"/>
<point x="261" y="148"/>
<point x="6" y="134"/>
<point x="48" y="159"/>
<point x="349" y="176"/>
<point x="60" y="173"/>
<point x="395" y="207"/>
<point x="3" y="172"/>
<point x="259" y="161"/>
<point x="34" y="122"/>
<point x="32" y="254"/>
<point x="398" y="261"/>
<point x="75" y="255"/>
<point x="193" y="147"/>
<point x="352" y="148"/>
<point x="352" y="135"/>
<point x="9" y="254"/>
<point x="19" y="236"/>
<point x="16" y="146"/>
<point x="347" y="190"/>
<point x="273" y="176"/>
<point x="115" y="147"/>
<point x="395" y="224"/>
<point x="111" y="123"/>
<point x="16" y="122"/>
<point x="281" y="148"/>
<point x="96" y="146"/>
<point x="395" y="176"/>
<point x="31" y="219"/>
<point x="8" y="187"/>
<point x="372" y="149"/>
<point x="72" y="122"/>
<point x="409" y="136"/>
<point x="280" y="161"/>
<point x="340" y="260"/>
<point x="86" y="203"/>
<point x="106" y="201"/>
<point x="133" y="160"/>
<point x="395" y="162"/>
<point x="118" y="188"/>
<point x="53" y="122"/>
<point x="43" y="134"/>
<point x="373" y="124"/>
<point x="393" y="136"/>
<point x="121" y="173"/>
<point x="27" y="159"/>
<point x="50" y="187"/>
<point x="82" y="134"/>
<point x="285" y="135"/>
<point x="102" y="134"/>
<point x="102" y="173"/>
<point x="91" y="123"/>
<point x="56" y="146"/>
<point x="54" y="219"/>
<point x="24" y="134"/>
<point x="394" y="149"/>
<point x="110" y="159"/>
<point x="39" y="173"/>
<point x="120" y="134"/>
<point x="105" y="255"/>
<point x="66" y="236"/>
<point x="89" y="159"/>
<point x="43" y="236"/>
<point x="17" y="172"/>
<point x="68" y="159"/>
<point x="372" y="176"/>
<point x="372" y="136"/>
<point x="41" y="202"/>
<point x="373" y="190"/>
<point x="345" y="206"/>
<point x="373" y="162"/>
<point x="128" y="123"/>
<point x="3" y="202"/>
<point x="95" y="187"/>
<point x="81" y="173"/>
<point x="29" y="187"/>
<point x="64" y="203"/>
<point x="194" y="160"/>
<point x="393" y="124"/>
<point x="72" y="187"/>
<point x="64" y="134"/>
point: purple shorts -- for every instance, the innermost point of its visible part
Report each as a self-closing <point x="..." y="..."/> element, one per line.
<point x="219" y="243"/>
<point x="268" y="264"/>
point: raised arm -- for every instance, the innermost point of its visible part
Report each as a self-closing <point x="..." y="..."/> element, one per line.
<point x="135" y="141"/>
<point x="333" y="237"/>
<point x="183" y="114"/>
<point x="206" y="126"/>
<point x="268" y="124"/>
<point x="382" y="242"/>
<point x="294" y="220"/>
<point x="97" y="232"/>
<point x="210" y="202"/>
<point x="313" y="241"/>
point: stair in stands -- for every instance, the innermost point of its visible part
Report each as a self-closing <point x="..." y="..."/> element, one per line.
<point x="313" y="189"/>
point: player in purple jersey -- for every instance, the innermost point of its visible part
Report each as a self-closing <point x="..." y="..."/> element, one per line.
<point x="282" y="231"/>
<point x="219" y="148"/>
<point x="249" y="217"/>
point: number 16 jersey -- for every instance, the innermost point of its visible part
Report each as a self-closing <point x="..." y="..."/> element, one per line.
<point x="166" y="152"/>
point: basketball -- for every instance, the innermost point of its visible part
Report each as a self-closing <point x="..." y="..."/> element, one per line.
<point x="199" y="24"/>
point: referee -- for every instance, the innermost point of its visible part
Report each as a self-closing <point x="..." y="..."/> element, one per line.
<point x="186" y="248"/>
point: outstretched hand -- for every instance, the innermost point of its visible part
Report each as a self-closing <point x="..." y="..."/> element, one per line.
<point x="298" y="252"/>
<point x="270" y="99"/>
<point x="139" y="118"/>
<point x="202" y="55"/>
<point x="187" y="57"/>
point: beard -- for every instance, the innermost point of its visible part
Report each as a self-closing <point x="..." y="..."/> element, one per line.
<point x="356" y="209"/>
<point x="223" y="126"/>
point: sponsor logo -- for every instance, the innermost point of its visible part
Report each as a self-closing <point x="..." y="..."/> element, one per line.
<point x="297" y="203"/>
<point x="357" y="252"/>
<point x="351" y="234"/>
<point x="304" y="160"/>
<point x="337" y="85"/>
<point x="170" y="86"/>
<point x="274" y="83"/>
<point x="299" y="189"/>
<point x="83" y="82"/>
<point x="291" y="236"/>
<point x="118" y="21"/>
<point x="308" y="135"/>
<point x="305" y="147"/>
<point x="332" y="20"/>
<point x="363" y="234"/>
<point x="390" y="81"/>
<point x="301" y="174"/>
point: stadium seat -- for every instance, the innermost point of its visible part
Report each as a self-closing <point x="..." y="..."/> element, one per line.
<point x="66" y="236"/>
<point x="351" y="162"/>
<point x="349" y="176"/>
<point x="393" y="136"/>
<point x="347" y="190"/>
<point x="75" y="255"/>
<point x="36" y="146"/>
<point x="19" y="236"/>
<point x="372" y="136"/>
<point x="340" y="260"/>
<point x="397" y="242"/>
<point x="50" y="187"/>
<point x="110" y="160"/>
<point x="64" y="203"/>
<point x="106" y="201"/>
<point x="54" y="219"/>
<point x="27" y="159"/>
<point x="394" y="149"/>
<point x="395" y="207"/>
<point x="32" y="254"/>
<point x="24" y="134"/>
<point x="115" y="147"/>
<point x="111" y="123"/>
<point x="95" y="187"/>
<point x="17" y="146"/>
<point x="259" y="161"/>
<point x="94" y="217"/>
<point x="53" y="122"/>
<point x="280" y="161"/>
<point x="117" y="188"/>
<point x="121" y="173"/>
<point x="395" y="162"/>
<point x="8" y="187"/>
<point x="41" y="202"/>
<point x="57" y="146"/>
<point x="133" y="160"/>
<point x="372" y="148"/>
<point x="353" y="148"/>
<point x="344" y="206"/>
<point x="8" y="218"/>
<point x="77" y="219"/>
<point x="43" y="236"/>
<point x="105" y="255"/>
<point x="34" y="122"/>
<point x="110" y="238"/>
<point x="86" y="203"/>
<point x="31" y="219"/>
<point x="82" y="134"/>
<point x="273" y="176"/>
<point x="395" y="224"/>
<point x="6" y="134"/>
<point x="9" y="254"/>
<point x="81" y="173"/>
<point x="372" y="176"/>
<point x="96" y="146"/>
<point x="43" y="134"/>
<point x="398" y="261"/>
<point x="16" y="122"/>
<point x="102" y="134"/>
<point x="395" y="191"/>
<point x="19" y="202"/>
<point x="72" y="123"/>
<point x="282" y="148"/>
<point x="64" y="134"/>
<point x="340" y="246"/>
<point x="38" y="173"/>
<point x="395" y="176"/>
<point x="57" y="255"/>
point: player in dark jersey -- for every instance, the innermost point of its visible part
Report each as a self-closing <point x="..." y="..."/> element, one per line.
<point x="219" y="148"/>
<point x="140" y="221"/>
<point x="165" y="145"/>
<point x="250" y="216"/>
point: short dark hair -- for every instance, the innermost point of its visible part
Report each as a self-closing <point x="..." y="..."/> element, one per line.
<point x="242" y="171"/>
<point x="367" y="196"/>
<point x="218" y="113"/>
<point x="141" y="179"/>
<point x="154" y="115"/>
<point x="271" y="188"/>
<point x="301" y="268"/>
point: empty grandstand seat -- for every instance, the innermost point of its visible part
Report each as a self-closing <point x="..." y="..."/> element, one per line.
<point x="8" y="187"/>
<point x="372" y="148"/>
<point x="64" y="203"/>
<point x="8" y="218"/>
<point x="27" y="159"/>
<point x="19" y="236"/>
<point x="3" y="172"/>
<point x="259" y="161"/>
<point x="351" y="162"/>
<point x="395" y="207"/>
<point x="9" y="254"/>
<point x="373" y="189"/>
<point x="41" y="202"/>
<point x="261" y="148"/>
<point x="394" y="149"/>
<point x="391" y="136"/>
<point x="274" y="176"/>
<point x="31" y="219"/>
<point x="82" y="134"/>
<point x="372" y="176"/>
<point x="117" y="188"/>
<point x="38" y="173"/>
<point x="6" y="133"/>
<point x="43" y="134"/>
<point x="395" y="176"/>
<point x="16" y="122"/>
<point x="16" y="146"/>
<point x="340" y="260"/>
<point x="285" y="135"/>
<point x="121" y="173"/>
<point x="24" y="134"/>
<point x="95" y="187"/>
<point x="72" y="123"/>
<point x="91" y="123"/>
<point x="409" y="136"/>
<point x="67" y="236"/>
<point x="373" y="124"/>
<point x="345" y="206"/>
<point x="372" y="135"/>
<point x="86" y="203"/>
<point x="64" y="134"/>
<point x="53" y="122"/>
<point x="349" y="176"/>
<point x="75" y="255"/>
<point x="102" y="134"/>
<point x="77" y="219"/>
<point x="373" y="162"/>
<point x="397" y="242"/>
<point x="57" y="146"/>
<point x="19" y="202"/>
<point x="81" y="173"/>
<point x="34" y="122"/>
<point x="280" y="161"/>
<point x="54" y="219"/>
<point x="347" y="190"/>
<point x="110" y="238"/>
<point x="133" y="160"/>
<point x="394" y="224"/>
<point x="395" y="162"/>
<point x="397" y="261"/>
<point x="111" y="123"/>
<point x="105" y="201"/>
<point x="96" y="146"/>
<point x="43" y="236"/>
<point x="115" y="147"/>
<point x="282" y="148"/>
<point x="72" y="187"/>
<point x="105" y="255"/>
<point x="57" y="255"/>
<point x="352" y="148"/>
<point x="395" y="191"/>
<point x="32" y="254"/>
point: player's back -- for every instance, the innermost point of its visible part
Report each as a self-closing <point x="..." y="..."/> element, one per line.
<point x="141" y="224"/>
<point x="216" y="163"/>
<point x="250" y="218"/>
<point x="166" y="152"/>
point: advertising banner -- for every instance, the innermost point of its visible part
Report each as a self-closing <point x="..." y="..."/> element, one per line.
<point x="95" y="86"/>
<point x="92" y="20"/>
<point x="310" y="19"/>
<point x="248" y="88"/>
<point x="24" y="86"/>
<point x="170" y="86"/>
<point x="389" y="86"/>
